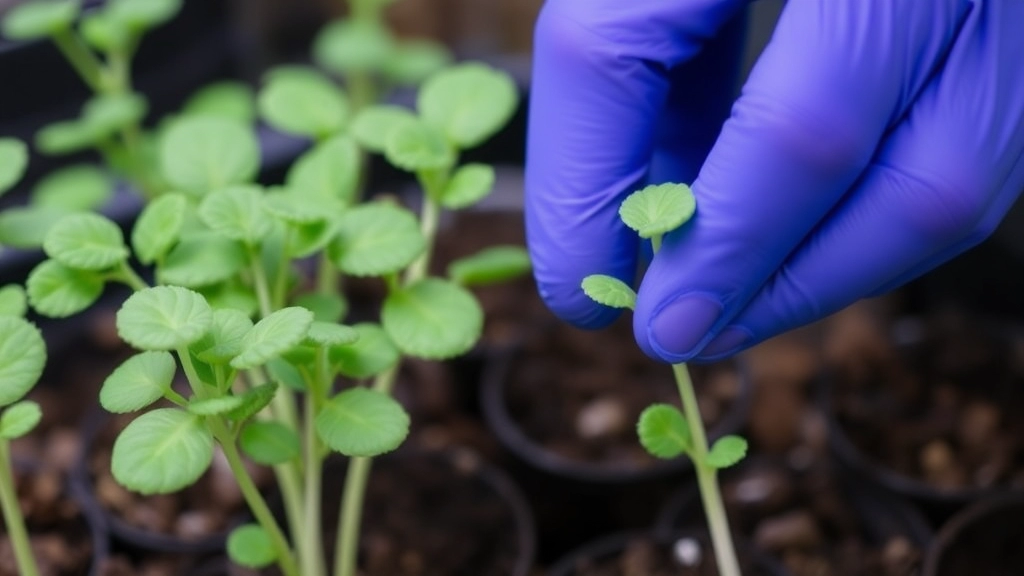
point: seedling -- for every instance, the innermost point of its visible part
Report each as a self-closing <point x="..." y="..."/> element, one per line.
<point x="664" y="431"/>
<point x="221" y="297"/>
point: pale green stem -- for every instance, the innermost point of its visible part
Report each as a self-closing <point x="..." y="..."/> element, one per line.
<point x="126" y="274"/>
<point x="280" y="293"/>
<point x="81" y="58"/>
<point x="311" y="547"/>
<point x="13" y="519"/>
<point x="707" y="481"/>
<point x="430" y="216"/>
<point x="259" y="279"/>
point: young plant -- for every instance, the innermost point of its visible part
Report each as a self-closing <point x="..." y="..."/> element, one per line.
<point x="664" y="431"/>
<point x="22" y="357"/>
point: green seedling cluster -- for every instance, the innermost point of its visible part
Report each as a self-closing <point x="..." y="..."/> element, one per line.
<point x="664" y="430"/>
<point x="240" y="349"/>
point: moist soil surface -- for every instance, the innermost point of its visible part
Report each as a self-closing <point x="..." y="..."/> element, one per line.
<point x="941" y="401"/>
<point x="579" y="394"/>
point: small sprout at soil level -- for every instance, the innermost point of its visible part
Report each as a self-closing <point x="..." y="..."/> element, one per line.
<point x="665" y="431"/>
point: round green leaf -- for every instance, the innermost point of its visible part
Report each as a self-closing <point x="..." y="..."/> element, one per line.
<point x="253" y="401"/>
<point x="78" y="187"/>
<point x="138" y="382"/>
<point x="163" y="318"/>
<point x="294" y="208"/>
<point x="286" y="373"/>
<point x="371" y="354"/>
<point x="57" y="291"/>
<point x="13" y="161"/>
<point x="329" y="171"/>
<point x="226" y="99"/>
<point x="663" y="431"/>
<point x="202" y="260"/>
<point x="726" y="451"/>
<point x="143" y="14"/>
<point x="411" y="62"/>
<point x="13" y="301"/>
<point x="39" y="18"/>
<point x="658" y="209"/>
<point x="161" y="452"/>
<point x="249" y="545"/>
<point x="352" y="45"/>
<point x="237" y="212"/>
<point x="26" y="227"/>
<point x="609" y="291"/>
<point x="416" y="146"/>
<point x="490" y="266"/>
<point x="468" y="103"/>
<point x="224" y="339"/>
<point x="272" y="336"/>
<point x="470" y="184"/>
<point x="376" y="238"/>
<point x="372" y="126"/>
<point x="362" y="422"/>
<point x="269" y="443"/>
<point x="203" y="153"/>
<point x="215" y="406"/>
<point x="22" y="357"/>
<point x="65" y="137"/>
<point x="432" y="319"/>
<point x="158" y="226"/>
<point x="86" y="241"/>
<point x="331" y="334"/>
<point x="19" y="419"/>
<point x="302" y="101"/>
<point x="325" y="307"/>
<point x="231" y="295"/>
<point x="105" y="33"/>
<point x="109" y="113"/>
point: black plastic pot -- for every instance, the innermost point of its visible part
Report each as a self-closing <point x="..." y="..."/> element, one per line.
<point x="609" y="547"/>
<point x="999" y="374"/>
<point x="881" y="516"/>
<point x="985" y="538"/>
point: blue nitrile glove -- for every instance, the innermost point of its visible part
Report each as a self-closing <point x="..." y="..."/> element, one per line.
<point x="874" y="140"/>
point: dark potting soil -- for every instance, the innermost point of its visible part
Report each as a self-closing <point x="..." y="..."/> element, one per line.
<point x="645" y="557"/>
<point x="60" y="537"/>
<point x="579" y="394"/>
<point x="946" y="408"/>
<point x="992" y="546"/>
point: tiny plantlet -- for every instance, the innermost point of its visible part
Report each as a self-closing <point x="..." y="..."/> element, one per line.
<point x="272" y="375"/>
<point x="664" y="430"/>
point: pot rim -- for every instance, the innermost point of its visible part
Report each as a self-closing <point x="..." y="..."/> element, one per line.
<point x="963" y="519"/>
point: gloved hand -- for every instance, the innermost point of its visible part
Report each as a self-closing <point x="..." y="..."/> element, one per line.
<point x="874" y="140"/>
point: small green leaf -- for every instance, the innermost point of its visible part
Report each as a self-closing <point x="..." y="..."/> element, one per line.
<point x="253" y="401"/>
<point x="470" y="184"/>
<point x="286" y="373"/>
<point x="77" y="187"/>
<point x="300" y="100"/>
<point x="13" y="161"/>
<point x="138" y="382"/>
<point x="141" y="15"/>
<point x="490" y="266"/>
<point x="308" y="239"/>
<point x="413" y="61"/>
<point x="432" y="319"/>
<point x="161" y="452"/>
<point x="726" y="451"/>
<point x="658" y="209"/>
<point x="236" y="212"/>
<point x="609" y="291"/>
<point x="27" y="227"/>
<point x="13" y="301"/>
<point x="371" y="354"/>
<point x="201" y="260"/>
<point x="22" y="357"/>
<point x="231" y="296"/>
<point x="329" y="171"/>
<point x="469" y="103"/>
<point x="362" y="422"/>
<point x="225" y="99"/>
<point x="199" y="154"/>
<point x="215" y="406"/>
<point x="163" y="318"/>
<point x="417" y="146"/>
<point x="108" y="113"/>
<point x="325" y="307"/>
<point x="663" y="431"/>
<point x="352" y="45"/>
<point x="249" y="545"/>
<point x="376" y="238"/>
<point x="331" y="334"/>
<point x="374" y="124"/>
<point x="86" y="241"/>
<point x="57" y="291"/>
<point x="39" y="18"/>
<point x="269" y="443"/>
<point x="19" y="419"/>
<point x="272" y="336"/>
<point x="67" y="137"/>
<point x="295" y="208"/>
<point x="105" y="33"/>
<point x="224" y="339"/>
<point x="158" y="227"/>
